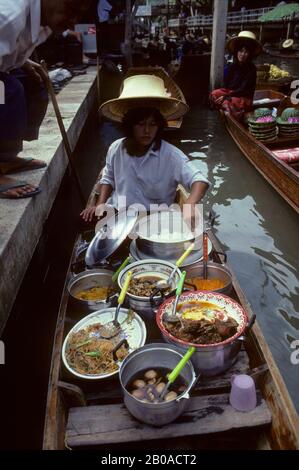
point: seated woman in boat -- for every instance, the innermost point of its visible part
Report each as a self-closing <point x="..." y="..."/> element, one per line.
<point x="142" y="168"/>
<point x="240" y="76"/>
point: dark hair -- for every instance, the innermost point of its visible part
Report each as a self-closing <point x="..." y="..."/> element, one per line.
<point x="134" y="116"/>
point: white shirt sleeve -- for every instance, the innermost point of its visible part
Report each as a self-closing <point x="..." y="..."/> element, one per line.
<point x="13" y="16"/>
<point x="187" y="172"/>
<point x="108" y="171"/>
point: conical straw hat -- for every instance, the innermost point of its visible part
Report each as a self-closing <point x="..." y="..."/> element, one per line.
<point x="144" y="91"/>
<point x="246" y="37"/>
<point x="287" y="43"/>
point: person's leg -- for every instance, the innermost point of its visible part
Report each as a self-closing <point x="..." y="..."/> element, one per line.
<point x="36" y="98"/>
<point x="20" y="118"/>
<point x="13" y="121"/>
<point x="13" y="118"/>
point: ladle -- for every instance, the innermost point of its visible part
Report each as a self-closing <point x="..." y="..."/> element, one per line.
<point x="205" y="255"/>
<point x="150" y="392"/>
<point x="112" y="328"/>
<point x="173" y="318"/>
<point x="177" y="370"/>
<point x="165" y="284"/>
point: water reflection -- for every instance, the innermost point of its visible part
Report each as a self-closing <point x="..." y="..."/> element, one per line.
<point x="258" y="229"/>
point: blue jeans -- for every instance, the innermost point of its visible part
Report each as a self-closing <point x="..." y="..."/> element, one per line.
<point x="21" y="115"/>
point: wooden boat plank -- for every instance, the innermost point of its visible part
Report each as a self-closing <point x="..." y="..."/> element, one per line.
<point x="111" y="424"/>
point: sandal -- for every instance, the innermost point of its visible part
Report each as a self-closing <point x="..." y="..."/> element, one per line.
<point x="21" y="164"/>
<point x="14" y="185"/>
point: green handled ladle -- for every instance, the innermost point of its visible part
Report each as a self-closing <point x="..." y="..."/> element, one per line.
<point x="173" y="318"/>
<point x="165" y="284"/>
<point x="122" y="266"/>
<point x="177" y="370"/>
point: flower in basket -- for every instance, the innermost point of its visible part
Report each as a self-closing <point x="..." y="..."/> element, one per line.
<point x="265" y="119"/>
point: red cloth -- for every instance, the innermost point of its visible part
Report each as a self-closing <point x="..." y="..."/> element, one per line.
<point x="288" y="155"/>
<point x="234" y="105"/>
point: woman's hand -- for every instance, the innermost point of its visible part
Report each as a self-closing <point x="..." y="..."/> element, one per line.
<point x="88" y="214"/>
<point x="94" y="211"/>
<point x="219" y="100"/>
<point x="34" y="69"/>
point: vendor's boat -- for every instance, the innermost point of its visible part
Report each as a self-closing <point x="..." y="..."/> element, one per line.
<point x="277" y="160"/>
<point x="81" y="414"/>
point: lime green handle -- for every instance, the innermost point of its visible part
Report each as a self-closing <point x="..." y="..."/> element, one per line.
<point x="122" y="266"/>
<point x="176" y="371"/>
<point x="123" y="292"/>
<point x="180" y="284"/>
<point x="184" y="255"/>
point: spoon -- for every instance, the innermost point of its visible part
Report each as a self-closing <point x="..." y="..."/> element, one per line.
<point x="173" y="318"/>
<point x="112" y="328"/>
<point x="177" y="370"/>
<point x="205" y="255"/>
<point x="165" y="284"/>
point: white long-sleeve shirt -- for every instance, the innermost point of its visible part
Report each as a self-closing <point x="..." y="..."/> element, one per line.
<point x="150" y="179"/>
<point x="20" y="31"/>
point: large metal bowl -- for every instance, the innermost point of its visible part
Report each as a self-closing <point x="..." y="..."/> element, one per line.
<point x="209" y="359"/>
<point x="215" y="271"/>
<point x="163" y="235"/>
<point x="149" y="357"/>
<point x="154" y="267"/>
<point x="87" y="280"/>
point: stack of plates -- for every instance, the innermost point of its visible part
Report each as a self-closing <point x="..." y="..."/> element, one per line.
<point x="288" y="122"/>
<point x="264" y="131"/>
<point x="288" y="129"/>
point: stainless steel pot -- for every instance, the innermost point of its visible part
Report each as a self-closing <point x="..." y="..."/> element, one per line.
<point x="86" y="280"/>
<point x="163" y="269"/>
<point x="215" y="271"/>
<point x="214" y="360"/>
<point x="148" y="357"/>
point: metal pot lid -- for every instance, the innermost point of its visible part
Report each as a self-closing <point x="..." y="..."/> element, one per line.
<point x="110" y="237"/>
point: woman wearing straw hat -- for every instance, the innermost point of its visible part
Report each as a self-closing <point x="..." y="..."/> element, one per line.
<point x="142" y="167"/>
<point x="240" y="78"/>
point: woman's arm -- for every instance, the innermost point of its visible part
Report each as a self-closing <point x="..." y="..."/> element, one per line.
<point x="98" y="208"/>
<point x="192" y="214"/>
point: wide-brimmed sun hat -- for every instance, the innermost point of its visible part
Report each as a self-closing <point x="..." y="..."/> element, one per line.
<point x="248" y="38"/>
<point x="287" y="43"/>
<point x="144" y="91"/>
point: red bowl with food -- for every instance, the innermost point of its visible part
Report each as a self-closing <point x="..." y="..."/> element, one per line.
<point x="213" y="323"/>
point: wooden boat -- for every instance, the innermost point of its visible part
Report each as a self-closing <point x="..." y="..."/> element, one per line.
<point x="170" y="85"/>
<point x="275" y="52"/>
<point x="93" y="415"/>
<point x="284" y="177"/>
